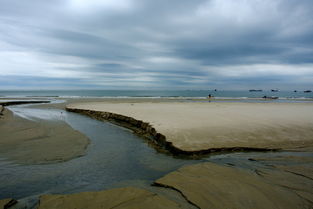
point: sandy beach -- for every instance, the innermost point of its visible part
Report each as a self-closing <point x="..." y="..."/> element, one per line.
<point x="193" y="126"/>
<point x="190" y="125"/>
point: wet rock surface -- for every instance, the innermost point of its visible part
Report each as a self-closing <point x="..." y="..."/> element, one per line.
<point x="208" y="185"/>
<point x="120" y="198"/>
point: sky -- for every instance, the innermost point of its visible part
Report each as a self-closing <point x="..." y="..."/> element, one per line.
<point x="148" y="44"/>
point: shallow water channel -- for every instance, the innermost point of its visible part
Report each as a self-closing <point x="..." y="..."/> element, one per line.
<point x="115" y="157"/>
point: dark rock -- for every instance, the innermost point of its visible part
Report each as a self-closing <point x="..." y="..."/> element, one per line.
<point x="7" y="203"/>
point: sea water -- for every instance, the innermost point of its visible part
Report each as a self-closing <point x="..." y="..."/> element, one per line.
<point x="157" y="94"/>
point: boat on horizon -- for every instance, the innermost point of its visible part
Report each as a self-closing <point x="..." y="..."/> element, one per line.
<point x="271" y="97"/>
<point x="274" y="90"/>
<point x="307" y="91"/>
<point x="255" y="90"/>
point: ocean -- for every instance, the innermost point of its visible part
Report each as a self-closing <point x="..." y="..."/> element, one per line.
<point x="157" y="94"/>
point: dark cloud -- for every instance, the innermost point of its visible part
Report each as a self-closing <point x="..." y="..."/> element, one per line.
<point x="156" y="44"/>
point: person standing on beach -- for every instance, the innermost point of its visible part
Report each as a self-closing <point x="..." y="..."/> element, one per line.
<point x="209" y="97"/>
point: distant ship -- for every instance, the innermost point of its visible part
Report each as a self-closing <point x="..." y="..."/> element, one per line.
<point x="255" y="90"/>
<point x="307" y="91"/>
<point x="272" y="97"/>
<point x="274" y="90"/>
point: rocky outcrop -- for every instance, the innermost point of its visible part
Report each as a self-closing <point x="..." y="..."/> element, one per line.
<point x="3" y="104"/>
<point x="7" y="203"/>
<point x="22" y="102"/>
<point x="147" y="131"/>
<point x="207" y="185"/>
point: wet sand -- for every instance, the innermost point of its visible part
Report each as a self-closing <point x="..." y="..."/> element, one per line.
<point x="193" y="126"/>
<point x="39" y="142"/>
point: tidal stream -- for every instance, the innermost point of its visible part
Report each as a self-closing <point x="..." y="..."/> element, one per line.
<point x="115" y="157"/>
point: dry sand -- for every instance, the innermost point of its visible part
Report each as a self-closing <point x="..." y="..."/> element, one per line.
<point x="194" y="126"/>
<point x="30" y="142"/>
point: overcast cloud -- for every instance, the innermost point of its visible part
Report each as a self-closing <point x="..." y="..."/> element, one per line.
<point x="135" y="44"/>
